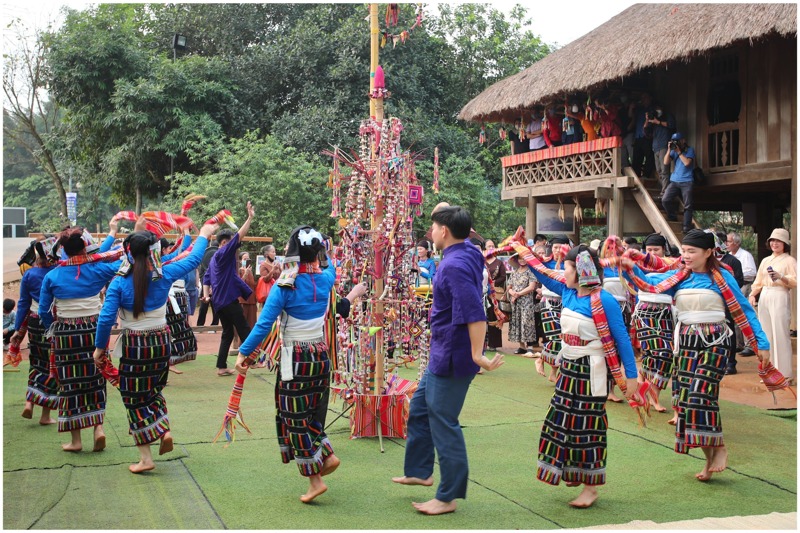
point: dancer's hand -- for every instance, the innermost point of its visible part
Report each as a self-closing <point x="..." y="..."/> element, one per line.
<point x="763" y="356"/>
<point x="632" y="386"/>
<point x="209" y="229"/>
<point x="16" y="338"/>
<point x="495" y="362"/>
<point x="241" y="367"/>
<point x="99" y="356"/>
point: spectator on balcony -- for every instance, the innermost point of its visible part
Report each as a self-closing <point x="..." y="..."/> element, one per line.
<point x="642" y="162"/>
<point x="608" y="114"/>
<point x="587" y="122"/>
<point x="749" y="270"/>
<point x="571" y="131"/>
<point x="551" y="128"/>
<point x="516" y="136"/>
<point x="681" y="181"/>
<point x="663" y="126"/>
<point x="534" y="132"/>
<point x="627" y="117"/>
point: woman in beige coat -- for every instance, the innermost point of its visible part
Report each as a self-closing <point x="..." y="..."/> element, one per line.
<point x="776" y="275"/>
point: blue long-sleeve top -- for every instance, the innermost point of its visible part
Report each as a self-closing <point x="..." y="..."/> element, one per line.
<point x="308" y="300"/>
<point x="29" y="289"/>
<point x="80" y="281"/>
<point x="187" y="240"/>
<point x="704" y="280"/>
<point x="107" y="243"/>
<point x="430" y="265"/>
<point x="583" y="305"/>
<point x="120" y="292"/>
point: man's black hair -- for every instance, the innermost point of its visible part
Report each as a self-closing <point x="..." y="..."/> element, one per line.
<point x="477" y="242"/>
<point x="224" y="235"/>
<point x="455" y="218"/>
<point x="539" y="237"/>
<point x="8" y="305"/>
<point x="631" y="240"/>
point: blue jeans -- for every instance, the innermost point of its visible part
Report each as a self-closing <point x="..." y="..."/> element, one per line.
<point x="433" y="424"/>
<point x="670" y="203"/>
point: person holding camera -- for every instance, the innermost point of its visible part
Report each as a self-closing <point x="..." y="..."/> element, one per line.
<point x="681" y="180"/>
<point x="663" y="124"/>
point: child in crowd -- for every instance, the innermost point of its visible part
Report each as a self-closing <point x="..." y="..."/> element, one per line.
<point x="9" y="317"/>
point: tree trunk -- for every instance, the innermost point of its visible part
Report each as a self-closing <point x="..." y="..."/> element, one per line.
<point x="138" y="199"/>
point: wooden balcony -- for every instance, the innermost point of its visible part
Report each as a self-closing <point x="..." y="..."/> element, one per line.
<point x="577" y="167"/>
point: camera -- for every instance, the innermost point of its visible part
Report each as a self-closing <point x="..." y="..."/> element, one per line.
<point x="672" y="145"/>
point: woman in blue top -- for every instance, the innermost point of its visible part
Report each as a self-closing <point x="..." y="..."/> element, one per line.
<point x="137" y="298"/>
<point x="74" y="291"/>
<point x="42" y="387"/>
<point x="572" y="446"/>
<point x="703" y="290"/>
<point x="300" y="298"/>
<point x="425" y="264"/>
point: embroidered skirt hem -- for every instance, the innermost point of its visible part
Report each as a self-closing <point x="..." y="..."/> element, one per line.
<point x="42" y="388"/>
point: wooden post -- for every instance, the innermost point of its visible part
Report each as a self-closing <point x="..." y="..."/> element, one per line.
<point x="530" y="217"/>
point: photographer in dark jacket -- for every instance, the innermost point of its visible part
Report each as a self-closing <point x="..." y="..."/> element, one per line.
<point x="681" y="181"/>
<point x="205" y="303"/>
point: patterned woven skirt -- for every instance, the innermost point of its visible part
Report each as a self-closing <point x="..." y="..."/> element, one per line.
<point x="655" y="327"/>
<point x="82" y="389"/>
<point x="572" y="445"/>
<point x="143" y="369"/>
<point x="42" y="389"/>
<point x="300" y="437"/>
<point x="700" y="367"/>
<point x="551" y="325"/>
<point x="184" y="343"/>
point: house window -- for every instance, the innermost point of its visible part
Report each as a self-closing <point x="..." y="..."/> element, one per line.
<point x="724" y="108"/>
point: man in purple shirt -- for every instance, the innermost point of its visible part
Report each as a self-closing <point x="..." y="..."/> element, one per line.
<point x="458" y="327"/>
<point x="222" y="280"/>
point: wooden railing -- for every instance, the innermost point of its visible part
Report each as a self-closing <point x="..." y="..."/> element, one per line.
<point x="583" y="160"/>
<point x="723" y="147"/>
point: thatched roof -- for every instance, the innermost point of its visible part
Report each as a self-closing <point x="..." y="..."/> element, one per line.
<point x="642" y="36"/>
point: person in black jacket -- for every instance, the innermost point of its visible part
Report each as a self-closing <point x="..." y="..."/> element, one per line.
<point x="729" y="259"/>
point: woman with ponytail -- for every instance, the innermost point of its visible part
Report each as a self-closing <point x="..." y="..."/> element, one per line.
<point x="300" y="299"/>
<point x="138" y="298"/>
<point x="69" y="303"/>
<point x="703" y="289"/>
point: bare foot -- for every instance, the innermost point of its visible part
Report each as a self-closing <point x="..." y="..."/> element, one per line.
<point x="27" y="412"/>
<point x="613" y="398"/>
<point x="406" y="480"/>
<point x="72" y="447"/>
<point x="572" y="483"/>
<point x="47" y="421"/>
<point x="99" y="440"/>
<point x="673" y="421"/>
<point x="142" y="466"/>
<point x="166" y="443"/>
<point x="719" y="459"/>
<point x="552" y="377"/>
<point x="586" y="498"/>
<point x="704" y="474"/>
<point x="316" y="488"/>
<point x="540" y="367"/>
<point x="658" y="407"/>
<point x="175" y="370"/>
<point x="434" y="507"/>
<point x="329" y="465"/>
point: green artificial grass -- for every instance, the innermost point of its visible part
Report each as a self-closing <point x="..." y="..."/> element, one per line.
<point x="245" y="485"/>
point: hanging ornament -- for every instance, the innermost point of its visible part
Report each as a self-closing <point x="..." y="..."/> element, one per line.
<point x="561" y="209"/>
<point x="482" y="135"/>
<point x="577" y="212"/>
<point x="502" y="133"/>
<point x="392" y="14"/>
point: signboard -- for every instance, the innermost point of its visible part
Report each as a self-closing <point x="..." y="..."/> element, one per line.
<point x="547" y="220"/>
<point x="15" y="216"/>
<point x="72" y="207"/>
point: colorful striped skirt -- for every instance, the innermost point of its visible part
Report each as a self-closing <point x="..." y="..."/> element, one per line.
<point x="42" y="389"/>
<point x="81" y="387"/>
<point x="572" y="445"/>
<point x="551" y="325"/>
<point x="655" y="327"/>
<point x="143" y="369"/>
<point x="184" y="343"/>
<point x="702" y="357"/>
<point x="300" y="437"/>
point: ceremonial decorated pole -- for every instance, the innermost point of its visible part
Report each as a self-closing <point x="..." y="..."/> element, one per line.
<point x="377" y="81"/>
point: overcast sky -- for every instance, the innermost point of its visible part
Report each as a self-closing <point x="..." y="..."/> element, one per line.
<point x="556" y="22"/>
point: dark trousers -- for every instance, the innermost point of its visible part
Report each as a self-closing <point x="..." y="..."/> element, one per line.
<point x="201" y="315"/>
<point x="433" y="426"/>
<point x="643" y="160"/>
<point x="231" y="317"/>
<point x="670" y="201"/>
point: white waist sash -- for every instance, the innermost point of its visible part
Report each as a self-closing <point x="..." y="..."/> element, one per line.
<point x="34" y="306"/>
<point x="147" y="320"/>
<point x="614" y="286"/>
<point x="78" y="307"/>
<point x="700" y="306"/>
<point x="573" y="323"/>
<point x="655" y="298"/>
<point x="296" y="331"/>
<point x="177" y="285"/>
